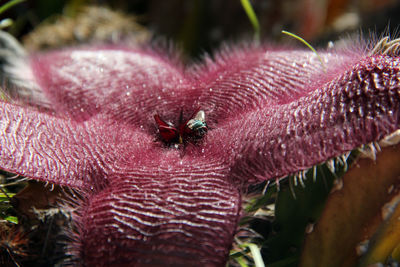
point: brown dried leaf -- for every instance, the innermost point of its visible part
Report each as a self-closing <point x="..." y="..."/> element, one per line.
<point x="36" y="195"/>
<point x="353" y="214"/>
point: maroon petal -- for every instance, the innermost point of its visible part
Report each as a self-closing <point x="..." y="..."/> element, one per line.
<point x="132" y="85"/>
<point x="62" y="151"/>
<point x="358" y="106"/>
<point x="242" y="80"/>
<point x="174" y="216"/>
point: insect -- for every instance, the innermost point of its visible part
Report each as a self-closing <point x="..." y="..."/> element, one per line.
<point x="192" y="129"/>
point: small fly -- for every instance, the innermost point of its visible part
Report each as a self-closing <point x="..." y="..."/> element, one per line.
<point x="191" y="130"/>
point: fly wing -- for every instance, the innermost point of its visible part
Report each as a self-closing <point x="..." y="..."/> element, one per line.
<point x="196" y="126"/>
<point x="168" y="133"/>
<point x="200" y="116"/>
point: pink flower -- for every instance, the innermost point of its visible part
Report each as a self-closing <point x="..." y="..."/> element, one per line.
<point x="84" y="118"/>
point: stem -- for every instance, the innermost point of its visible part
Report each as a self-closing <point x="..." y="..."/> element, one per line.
<point x="307" y="44"/>
<point x="9" y="5"/>
<point x="252" y="17"/>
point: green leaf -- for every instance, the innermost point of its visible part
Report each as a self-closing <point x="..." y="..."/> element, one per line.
<point x="9" y="4"/>
<point x="252" y="17"/>
<point x="11" y="219"/>
<point x="297" y="208"/>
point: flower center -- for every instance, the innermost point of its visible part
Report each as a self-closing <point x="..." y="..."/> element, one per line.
<point x="190" y="130"/>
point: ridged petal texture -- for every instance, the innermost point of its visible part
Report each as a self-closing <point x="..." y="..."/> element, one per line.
<point x="270" y="112"/>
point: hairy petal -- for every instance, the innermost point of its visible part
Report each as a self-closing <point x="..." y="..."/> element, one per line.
<point x="359" y="106"/>
<point x="58" y="150"/>
<point x="129" y="84"/>
<point x="250" y="79"/>
<point x="170" y="217"/>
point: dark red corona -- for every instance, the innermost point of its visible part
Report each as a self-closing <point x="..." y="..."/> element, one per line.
<point x="192" y="129"/>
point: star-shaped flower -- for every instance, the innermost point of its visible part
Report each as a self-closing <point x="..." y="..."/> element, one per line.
<point x="84" y="118"/>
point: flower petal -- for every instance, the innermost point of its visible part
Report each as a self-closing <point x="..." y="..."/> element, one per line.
<point x="359" y="106"/>
<point x="168" y="217"/>
<point x="241" y="80"/>
<point x="131" y="85"/>
<point x="58" y="150"/>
